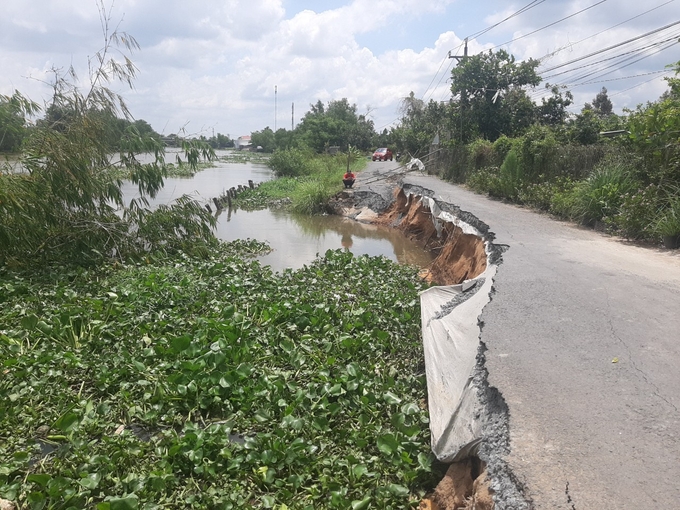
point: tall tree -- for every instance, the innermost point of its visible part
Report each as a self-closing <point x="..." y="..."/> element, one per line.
<point x="420" y="122"/>
<point x="336" y="124"/>
<point x="553" y="111"/>
<point x="481" y="84"/>
<point x="602" y="104"/>
<point x="264" y="139"/>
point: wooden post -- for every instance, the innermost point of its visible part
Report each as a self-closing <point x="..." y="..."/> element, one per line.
<point x="208" y="208"/>
<point x="217" y="204"/>
<point x="251" y="184"/>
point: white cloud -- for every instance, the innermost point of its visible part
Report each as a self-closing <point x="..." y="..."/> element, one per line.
<point x="216" y="62"/>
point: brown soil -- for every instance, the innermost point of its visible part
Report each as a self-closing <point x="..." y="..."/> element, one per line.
<point x="460" y="256"/>
<point x="459" y="491"/>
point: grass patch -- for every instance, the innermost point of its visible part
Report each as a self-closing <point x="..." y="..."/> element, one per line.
<point x="306" y="183"/>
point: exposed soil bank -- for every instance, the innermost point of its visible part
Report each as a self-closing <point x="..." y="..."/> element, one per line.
<point x="463" y="247"/>
<point x="460" y="256"/>
<point x="460" y="243"/>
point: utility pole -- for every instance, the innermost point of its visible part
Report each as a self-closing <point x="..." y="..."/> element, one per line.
<point x="275" y="99"/>
<point x="292" y="116"/>
<point x="463" y="95"/>
<point x="463" y="56"/>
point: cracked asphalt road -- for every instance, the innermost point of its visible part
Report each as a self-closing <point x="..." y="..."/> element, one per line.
<point x="585" y="432"/>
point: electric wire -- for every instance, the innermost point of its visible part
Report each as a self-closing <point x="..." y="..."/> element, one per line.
<point x="617" y="45"/>
<point x="631" y="57"/>
<point x="594" y="81"/>
<point x="571" y="45"/>
<point x="628" y="59"/>
<point x="665" y="71"/>
<point x="575" y="107"/>
<point x="435" y="76"/>
<point x="530" y="5"/>
<point x="550" y="25"/>
<point x="610" y="58"/>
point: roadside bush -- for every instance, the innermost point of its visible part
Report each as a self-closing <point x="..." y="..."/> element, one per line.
<point x="537" y="195"/>
<point x="501" y="147"/>
<point x="485" y="180"/>
<point x="635" y="219"/>
<point x="511" y="176"/>
<point x="311" y="197"/>
<point x="453" y="162"/>
<point x="552" y="196"/>
<point x="481" y="154"/>
<point x="563" y="201"/>
<point x="599" y="197"/>
<point x="536" y="151"/>
<point x="291" y="162"/>
<point x="579" y="161"/>
<point x="667" y="220"/>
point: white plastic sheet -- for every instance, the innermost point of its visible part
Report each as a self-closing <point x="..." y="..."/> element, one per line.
<point x="451" y="341"/>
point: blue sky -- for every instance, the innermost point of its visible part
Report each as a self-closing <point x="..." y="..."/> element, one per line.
<point x="213" y="65"/>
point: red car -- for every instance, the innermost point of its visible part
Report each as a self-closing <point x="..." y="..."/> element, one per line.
<point x="382" y="154"/>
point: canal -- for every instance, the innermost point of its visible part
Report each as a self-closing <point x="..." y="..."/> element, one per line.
<point x="295" y="240"/>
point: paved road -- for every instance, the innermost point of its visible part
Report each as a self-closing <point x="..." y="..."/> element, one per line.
<point x="585" y="432"/>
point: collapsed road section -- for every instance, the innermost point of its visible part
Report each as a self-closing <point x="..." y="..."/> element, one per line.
<point x="468" y="419"/>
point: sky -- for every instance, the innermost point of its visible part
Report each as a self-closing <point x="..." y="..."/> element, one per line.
<point x="234" y="66"/>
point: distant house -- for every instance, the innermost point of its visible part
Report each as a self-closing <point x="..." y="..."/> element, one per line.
<point x="243" y="143"/>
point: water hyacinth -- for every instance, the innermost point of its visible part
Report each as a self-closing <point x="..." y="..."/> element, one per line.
<point x="214" y="383"/>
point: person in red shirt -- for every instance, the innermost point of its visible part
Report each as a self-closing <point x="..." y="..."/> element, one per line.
<point x="348" y="179"/>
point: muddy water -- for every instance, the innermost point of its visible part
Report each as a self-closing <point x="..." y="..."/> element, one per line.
<point x="295" y="240"/>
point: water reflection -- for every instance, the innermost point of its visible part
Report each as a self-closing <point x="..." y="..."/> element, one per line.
<point x="296" y="240"/>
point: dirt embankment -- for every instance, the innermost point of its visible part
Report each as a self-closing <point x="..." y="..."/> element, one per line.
<point x="459" y="256"/>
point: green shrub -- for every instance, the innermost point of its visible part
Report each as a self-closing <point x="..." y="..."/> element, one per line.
<point x="485" y="180"/>
<point x="600" y="196"/>
<point x="563" y="201"/>
<point x="511" y="176"/>
<point x="635" y="219"/>
<point x="536" y="150"/>
<point x="312" y="196"/>
<point x="501" y="147"/>
<point x="537" y="195"/>
<point x="481" y="154"/>
<point x="667" y="221"/>
<point x="290" y="162"/>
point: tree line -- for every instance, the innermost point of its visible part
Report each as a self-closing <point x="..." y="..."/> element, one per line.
<point x="620" y="173"/>
<point x="16" y="125"/>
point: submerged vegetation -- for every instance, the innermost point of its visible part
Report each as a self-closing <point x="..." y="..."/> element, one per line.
<point x="214" y="383"/>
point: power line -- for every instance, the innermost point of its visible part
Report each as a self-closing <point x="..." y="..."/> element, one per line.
<point x="629" y="63"/>
<point x="530" y="5"/>
<point x="574" y="106"/>
<point x="637" y="50"/>
<point x="665" y="71"/>
<point x="550" y="25"/>
<point x="618" y="45"/>
<point x="571" y="45"/>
